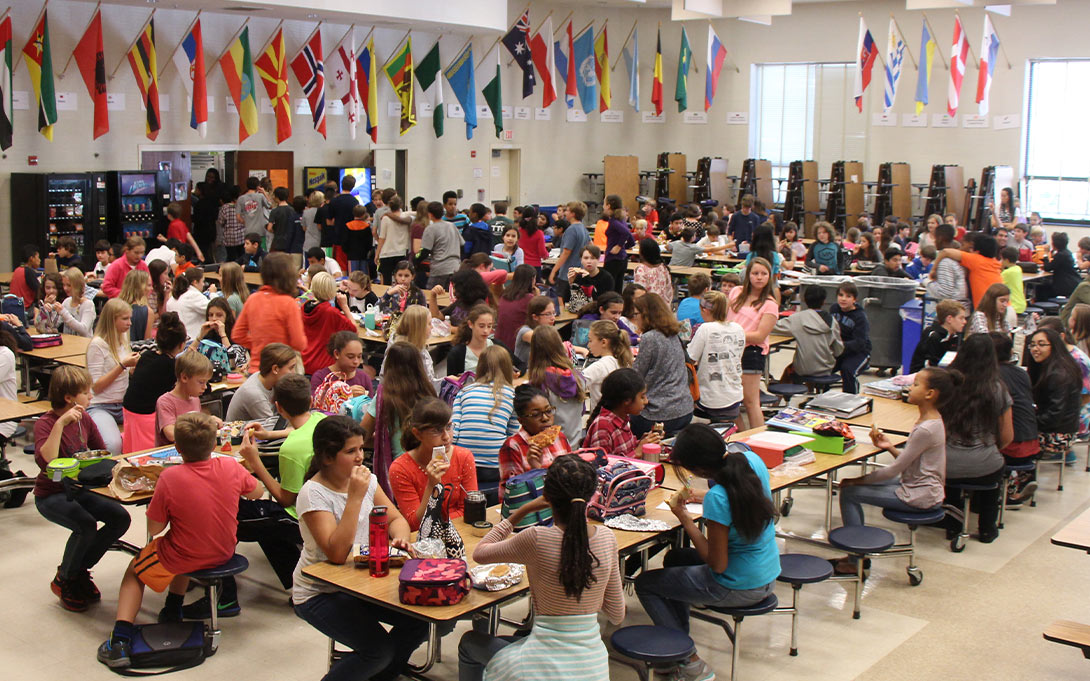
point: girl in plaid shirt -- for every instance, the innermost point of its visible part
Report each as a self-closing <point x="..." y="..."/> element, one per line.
<point x="535" y="414"/>
<point x="624" y="393"/>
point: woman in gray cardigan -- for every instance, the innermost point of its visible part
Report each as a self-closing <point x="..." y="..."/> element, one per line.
<point x="661" y="363"/>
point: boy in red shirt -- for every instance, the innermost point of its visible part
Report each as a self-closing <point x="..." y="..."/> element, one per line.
<point x="179" y="230"/>
<point x="201" y="535"/>
<point x="24" y="280"/>
<point x="980" y="263"/>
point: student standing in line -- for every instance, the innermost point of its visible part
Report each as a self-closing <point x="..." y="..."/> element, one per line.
<point x="442" y="246"/>
<point x="661" y="363"/>
<point x="618" y="240"/>
<point x="393" y="240"/>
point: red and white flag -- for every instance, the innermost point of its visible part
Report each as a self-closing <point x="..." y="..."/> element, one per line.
<point x="865" y="54"/>
<point x="342" y="79"/>
<point x="309" y="70"/>
<point x="541" y="51"/>
<point x="959" y="55"/>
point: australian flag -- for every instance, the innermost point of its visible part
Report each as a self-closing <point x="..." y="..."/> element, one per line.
<point x="517" y="42"/>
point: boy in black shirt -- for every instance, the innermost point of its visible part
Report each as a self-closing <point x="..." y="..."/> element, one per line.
<point x="855" y="334"/>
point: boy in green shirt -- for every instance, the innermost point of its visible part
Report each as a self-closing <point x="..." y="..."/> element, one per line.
<point x="1012" y="277"/>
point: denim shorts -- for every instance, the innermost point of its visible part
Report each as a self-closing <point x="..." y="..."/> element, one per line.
<point x="753" y="360"/>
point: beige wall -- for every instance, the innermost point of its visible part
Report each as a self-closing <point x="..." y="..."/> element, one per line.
<point x="554" y="153"/>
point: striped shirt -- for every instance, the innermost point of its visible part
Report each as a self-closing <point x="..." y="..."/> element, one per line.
<point x="479" y="431"/>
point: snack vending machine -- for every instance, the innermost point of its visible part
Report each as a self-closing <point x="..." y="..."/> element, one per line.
<point x="48" y="206"/>
<point x="137" y="203"/>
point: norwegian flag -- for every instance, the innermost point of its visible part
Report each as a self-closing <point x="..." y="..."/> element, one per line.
<point x="309" y="70"/>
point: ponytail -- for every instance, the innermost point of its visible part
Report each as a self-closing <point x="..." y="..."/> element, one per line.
<point x="181" y="285"/>
<point x="569" y="484"/>
<point x="619" y="387"/>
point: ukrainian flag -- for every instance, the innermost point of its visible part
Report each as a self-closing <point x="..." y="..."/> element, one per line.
<point x="927" y="58"/>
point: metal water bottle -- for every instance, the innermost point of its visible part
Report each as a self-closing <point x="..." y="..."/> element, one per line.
<point x="379" y="542"/>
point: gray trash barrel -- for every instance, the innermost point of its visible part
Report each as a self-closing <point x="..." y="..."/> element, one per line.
<point x="882" y="298"/>
<point x="830" y="283"/>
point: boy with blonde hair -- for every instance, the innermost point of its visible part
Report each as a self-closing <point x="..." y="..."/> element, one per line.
<point x="193" y="371"/>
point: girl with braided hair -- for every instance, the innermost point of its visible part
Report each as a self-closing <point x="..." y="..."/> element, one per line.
<point x="573" y="576"/>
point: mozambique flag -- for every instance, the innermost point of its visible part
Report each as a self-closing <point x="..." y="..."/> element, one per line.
<point x="40" y="64"/>
<point x="656" y="81"/>
<point x="399" y="71"/>
<point x="6" y="97"/>
<point x="146" y="71"/>
<point x="238" y="71"/>
<point x="272" y="66"/>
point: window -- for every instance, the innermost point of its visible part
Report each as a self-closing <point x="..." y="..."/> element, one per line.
<point x="1057" y="153"/>
<point x="803" y="112"/>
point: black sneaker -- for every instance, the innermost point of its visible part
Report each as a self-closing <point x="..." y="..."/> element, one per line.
<point x="199" y="610"/>
<point x="87" y="586"/>
<point x="71" y="596"/>
<point x="115" y="655"/>
<point x="168" y="615"/>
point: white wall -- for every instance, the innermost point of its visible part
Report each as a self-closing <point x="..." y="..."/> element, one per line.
<point x="554" y="153"/>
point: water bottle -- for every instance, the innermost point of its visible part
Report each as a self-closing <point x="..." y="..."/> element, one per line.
<point x="379" y="542"/>
<point x="369" y="316"/>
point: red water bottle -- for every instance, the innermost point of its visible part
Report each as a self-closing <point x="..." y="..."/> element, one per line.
<point x="379" y="542"/>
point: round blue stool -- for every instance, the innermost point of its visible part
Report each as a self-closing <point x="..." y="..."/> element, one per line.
<point x="821" y="383"/>
<point x="957" y="544"/>
<point x="913" y="519"/>
<point x="1050" y="308"/>
<point x="859" y="541"/>
<point x="797" y="569"/>
<point x="737" y="614"/>
<point x="211" y="579"/>
<point x="1008" y="473"/>
<point x="787" y="391"/>
<point x="651" y="646"/>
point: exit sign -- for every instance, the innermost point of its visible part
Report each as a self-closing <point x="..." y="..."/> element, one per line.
<point x="508" y="135"/>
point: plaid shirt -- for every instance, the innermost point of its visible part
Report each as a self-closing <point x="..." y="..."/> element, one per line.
<point x="514" y="453"/>
<point x="230" y="228"/>
<point x="612" y="433"/>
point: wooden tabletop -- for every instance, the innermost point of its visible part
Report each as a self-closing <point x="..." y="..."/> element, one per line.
<point x="252" y="279"/>
<point x="893" y="416"/>
<point x="70" y="346"/>
<point x="13" y="410"/>
<point x="1076" y="534"/>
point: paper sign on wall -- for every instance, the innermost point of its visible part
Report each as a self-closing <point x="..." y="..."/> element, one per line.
<point x="522" y="113"/>
<point x="334" y="107"/>
<point x="483" y="111"/>
<point x="611" y="116"/>
<point x="302" y="106"/>
<point x="649" y="117"/>
<point x="944" y="121"/>
<point x="393" y="109"/>
<point x="20" y="100"/>
<point x="66" y="101"/>
<point x="1007" y="121"/>
<point x="425" y="110"/>
<point x="884" y="120"/>
<point x="264" y="106"/>
<point x="115" y="101"/>
<point x="541" y="114"/>
<point x="508" y="112"/>
<point x="698" y="117"/>
<point x="576" y="116"/>
<point x="478" y="172"/>
<point x="914" y="121"/>
<point x="455" y="111"/>
<point x="973" y="121"/>
<point x="231" y="108"/>
<point x="737" y="118"/>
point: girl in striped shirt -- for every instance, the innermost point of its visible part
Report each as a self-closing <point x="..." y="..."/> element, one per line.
<point x="484" y="413"/>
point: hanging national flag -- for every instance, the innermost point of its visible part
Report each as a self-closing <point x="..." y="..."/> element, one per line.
<point x="959" y="54"/>
<point x="656" y="77"/>
<point x="989" y="53"/>
<point x="6" y="96"/>
<point x="631" y="55"/>
<point x="927" y="58"/>
<point x="91" y="63"/>
<point x="39" y="62"/>
<point x="717" y="54"/>
<point x="601" y="70"/>
<point x="272" y="67"/>
<point x="431" y="86"/>
<point x="895" y="60"/>
<point x="684" y="57"/>
<point x="189" y="60"/>
<point x="517" y="42"/>
<point x="367" y="88"/>
<point x="343" y="81"/>
<point x="493" y="95"/>
<point x="571" y="79"/>
<point x="586" y="79"/>
<point x="399" y="71"/>
<point x="238" y="71"/>
<point x="865" y="54"/>
<point x="309" y="69"/>
<point x="541" y="50"/>
<point x="464" y="84"/>
<point x="145" y="69"/>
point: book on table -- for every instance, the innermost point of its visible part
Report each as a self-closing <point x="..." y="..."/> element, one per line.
<point x="884" y="388"/>
<point x="774" y="446"/>
<point x="811" y="423"/>
<point x="842" y="405"/>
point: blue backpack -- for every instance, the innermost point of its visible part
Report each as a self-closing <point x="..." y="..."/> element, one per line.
<point x="221" y="363"/>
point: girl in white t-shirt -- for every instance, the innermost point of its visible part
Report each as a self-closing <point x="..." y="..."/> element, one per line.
<point x="716" y="349"/>
<point x="607" y="341"/>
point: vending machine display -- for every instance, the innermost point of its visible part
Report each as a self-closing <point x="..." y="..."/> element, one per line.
<point x="48" y="206"/>
<point x="138" y="200"/>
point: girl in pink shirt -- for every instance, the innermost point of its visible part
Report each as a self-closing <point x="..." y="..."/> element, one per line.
<point x="754" y="307"/>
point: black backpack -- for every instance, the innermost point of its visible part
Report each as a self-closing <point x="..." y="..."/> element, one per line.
<point x="173" y="645"/>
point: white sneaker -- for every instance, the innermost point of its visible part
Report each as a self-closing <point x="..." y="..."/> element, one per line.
<point x="696" y="671"/>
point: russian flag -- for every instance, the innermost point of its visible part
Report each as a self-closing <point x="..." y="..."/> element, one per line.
<point x="866" y="53"/>
<point x="717" y="54"/>
<point x="989" y="53"/>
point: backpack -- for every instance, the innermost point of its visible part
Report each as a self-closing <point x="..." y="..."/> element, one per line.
<point x="354" y="407"/>
<point x="176" y="645"/>
<point x="13" y="304"/>
<point x="332" y="392"/>
<point x="520" y="490"/>
<point x="476" y="240"/>
<point x="221" y="363"/>
<point x="450" y="387"/>
<point x="694" y="384"/>
<point x="622" y="489"/>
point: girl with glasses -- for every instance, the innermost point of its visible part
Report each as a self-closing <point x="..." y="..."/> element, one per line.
<point x="531" y="447"/>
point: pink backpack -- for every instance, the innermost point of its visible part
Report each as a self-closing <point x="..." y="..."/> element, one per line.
<point x="622" y="489"/>
<point x="332" y="392"/>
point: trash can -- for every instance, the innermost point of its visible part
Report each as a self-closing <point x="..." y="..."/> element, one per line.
<point x="830" y="283"/>
<point x="882" y="300"/>
<point x="911" y="331"/>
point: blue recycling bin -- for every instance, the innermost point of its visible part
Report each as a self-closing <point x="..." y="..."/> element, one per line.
<point x="911" y="331"/>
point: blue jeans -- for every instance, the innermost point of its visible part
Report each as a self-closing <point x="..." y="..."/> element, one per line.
<point x="640" y="425"/>
<point x="355" y="623"/>
<point x="107" y="418"/>
<point x="879" y="494"/>
<point x="849" y="366"/>
<point x="82" y="515"/>
<point x="667" y="594"/>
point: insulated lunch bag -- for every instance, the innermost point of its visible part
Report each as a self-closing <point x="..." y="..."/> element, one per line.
<point x="176" y="645"/>
<point x="433" y="581"/>
<point x="622" y="489"/>
<point x="520" y="490"/>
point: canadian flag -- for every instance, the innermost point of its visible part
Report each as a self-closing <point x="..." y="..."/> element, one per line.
<point x="959" y="54"/>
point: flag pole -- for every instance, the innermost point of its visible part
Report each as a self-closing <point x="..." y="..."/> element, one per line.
<point x="908" y="49"/>
<point x="15" y="64"/>
<point x="931" y="30"/>
<point x="363" y="44"/>
<point x="350" y="29"/>
<point x="692" y="62"/>
<point x="268" y="41"/>
<point x="532" y="33"/>
<point x="1001" y="48"/>
<point x="69" y="62"/>
<point x="460" y="50"/>
<point x="307" y="41"/>
<point x="229" y="41"/>
<point x="128" y="49"/>
<point x="506" y="32"/>
<point x="624" y="45"/>
<point x="170" y="58"/>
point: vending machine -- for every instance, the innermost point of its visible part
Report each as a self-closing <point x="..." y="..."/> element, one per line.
<point x="47" y="206"/>
<point x="316" y="177"/>
<point x="137" y="203"/>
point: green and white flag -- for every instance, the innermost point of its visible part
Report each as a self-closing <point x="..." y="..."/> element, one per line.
<point x="431" y="86"/>
<point x="493" y="94"/>
<point x="684" y="57"/>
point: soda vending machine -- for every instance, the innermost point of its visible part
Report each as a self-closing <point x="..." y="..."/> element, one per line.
<point x="48" y="206"/>
<point x="316" y="177"/>
<point x="137" y="203"/>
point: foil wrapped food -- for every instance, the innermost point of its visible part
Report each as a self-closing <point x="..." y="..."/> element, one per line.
<point x="496" y="576"/>
<point x="429" y="548"/>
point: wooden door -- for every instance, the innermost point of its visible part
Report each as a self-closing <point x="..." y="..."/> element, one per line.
<point x="279" y="166"/>
<point x="679" y="186"/>
<point x="622" y="177"/>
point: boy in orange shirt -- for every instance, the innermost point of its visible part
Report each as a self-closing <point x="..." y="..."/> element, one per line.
<point x="979" y="261"/>
<point x="201" y="535"/>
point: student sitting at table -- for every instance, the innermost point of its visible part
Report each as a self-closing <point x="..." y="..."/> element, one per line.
<point x="271" y="314"/>
<point x="24" y="280"/>
<point x="737" y="563"/>
<point x="234" y="287"/>
<point x="321" y="320"/>
<point x="623" y="394"/>
<point x="47" y="314"/>
<point x="540" y="311"/>
<point x="994" y="312"/>
<point x="468" y="289"/>
<point x="152" y="378"/>
<point x="346" y="348"/>
<point x="550" y="368"/>
<point x="484" y="413"/>
<point x="193" y="371"/>
<point x="404" y="382"/>
<point x="610" y="345"/>
<point x="135" y="290"/>
<point x="914" y="481"/>
<point x="414" y="329"/>
<point x="471" y="339"/>
<point x="609" y="307"/>
<point x="109" y="359"/>
<point x="77" y="310"/>
<point x="652" y="273"/>
<point x="403" y="292"/>
<point x="591" y="279"/>
<point x="522" y="451"/>
<point x="1012" y="277"/>
<point x="210" y="525"/>
<point x="252" y="253"/>
<point x="816" y="333"/>
<point x="854" y="333"/>
<point x="921" y="264"/>
<point x="219" y="324"/>
<point x="574" y="575"/>
<point x="188" y="300"/>
<point x="62" y="431"/>
<point x="685" y="251"/>
<point x="891" y="265"/>
<point x="360" y="295"/>
<point x="689" y="308"/>
<point x="824" y="254"/>
<point x="420" y="469"/>
<point x="334" y="505"/>
<point x="1057" y="391"/>
<point x="1024" y="447"/>
<point x="1061" y="265"/>
<point x="941" y="337"/>
<point x="253" y="400"/>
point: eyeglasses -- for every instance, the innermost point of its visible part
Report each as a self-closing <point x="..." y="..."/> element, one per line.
<point x="1040" y="344"/>
<point x="547" y="314"/>
<point x="438" y="432"/>
<point x="541" y="414"/>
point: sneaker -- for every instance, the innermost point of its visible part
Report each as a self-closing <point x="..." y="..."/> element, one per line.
<point x="115" y="655"/>
<point x="71" y="595"/>
<point x="1054" y="456"/>
<point x="1070" y="459"/>
<point x="55" y="585"/>
<point x="695" y="671"/>
<point x="1025" y="494"/>
<point x="87" y="586"/>
<point x="199" y="610"/>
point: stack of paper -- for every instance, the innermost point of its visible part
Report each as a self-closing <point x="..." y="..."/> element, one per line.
<point x="884" y="388"/>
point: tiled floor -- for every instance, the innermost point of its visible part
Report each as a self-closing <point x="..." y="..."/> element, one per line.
<point x="977" y="615"/>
